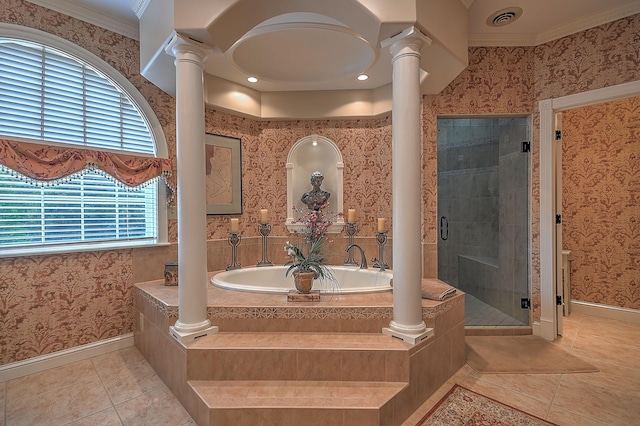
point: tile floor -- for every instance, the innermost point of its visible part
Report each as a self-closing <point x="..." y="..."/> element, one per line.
<point x="609" y="397"/>
<point x="478" y="313"/>
<point x="120" y="388"/>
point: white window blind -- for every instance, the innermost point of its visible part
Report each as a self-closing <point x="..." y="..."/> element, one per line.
<point x="89" y="208"/>
<point x="48" y="96"/>
<point x="51" y="97"/>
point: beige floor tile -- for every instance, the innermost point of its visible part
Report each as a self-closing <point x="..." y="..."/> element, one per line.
<point x="592" y="349"/>
<point x="613" y="376"/>
<point x="131" y="381"/>
<point x="108" y="363"/>
<point x="58" y="406"/>
<point x="599" y="403"/>
<point x="108" y="417"/>
<point x="539" y="386"/>
<point x="57" y="378"/>
<point x="158" y="407"/>
<point x="564" y="418"/>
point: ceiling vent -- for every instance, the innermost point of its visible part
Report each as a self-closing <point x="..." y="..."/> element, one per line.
<point x="504" y="17"/>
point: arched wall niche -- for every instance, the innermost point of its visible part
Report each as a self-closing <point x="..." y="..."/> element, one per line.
<point x="309" y="154"/>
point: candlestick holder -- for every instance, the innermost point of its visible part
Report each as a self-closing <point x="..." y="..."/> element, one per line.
<point x="351" y="229"/>
<point x="234" y="242"/>
<point x="264" y="229"/>
<point x="381" y="238"/>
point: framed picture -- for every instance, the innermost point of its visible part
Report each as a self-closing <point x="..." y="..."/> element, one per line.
<point x="223" y="174"/>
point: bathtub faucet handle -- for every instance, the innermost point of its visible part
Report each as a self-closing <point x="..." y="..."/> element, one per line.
<point x="363" y="258"/>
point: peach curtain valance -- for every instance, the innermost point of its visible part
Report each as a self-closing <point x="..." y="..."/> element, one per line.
<point x="45" y="163"/>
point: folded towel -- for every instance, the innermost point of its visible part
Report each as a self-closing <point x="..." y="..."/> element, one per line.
<point x="434" y="289"/>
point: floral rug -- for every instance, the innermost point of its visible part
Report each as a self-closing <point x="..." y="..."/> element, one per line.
<point x="460" y="406"/>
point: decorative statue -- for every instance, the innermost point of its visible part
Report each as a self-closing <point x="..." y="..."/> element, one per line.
<point x="316" y="198"/>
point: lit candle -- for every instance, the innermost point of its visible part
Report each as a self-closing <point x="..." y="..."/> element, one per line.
<point x="351" y="216"/>
<point x="381" y="224"/>
<point x="235" y="224"/>
<point x="264" y="216"/>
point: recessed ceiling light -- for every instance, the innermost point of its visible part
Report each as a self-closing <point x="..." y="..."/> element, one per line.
<point x="252" y="80"/>
<point x="504" y="17"/>
<point x="363" y="77"/>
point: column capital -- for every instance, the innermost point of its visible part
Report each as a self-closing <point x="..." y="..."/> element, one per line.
<point x="411" y="38"/>
<point x="180" y="45"/>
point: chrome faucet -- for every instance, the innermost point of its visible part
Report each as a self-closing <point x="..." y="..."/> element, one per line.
<point x="363" y="258"/>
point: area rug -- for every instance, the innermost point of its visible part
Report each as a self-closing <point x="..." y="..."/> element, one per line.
<point x="460" y="406"/>
<point x="521" y="354"/>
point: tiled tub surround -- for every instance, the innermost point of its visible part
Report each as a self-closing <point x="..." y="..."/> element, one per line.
<point x="299" y="362"/>
<point x="483" y="191"/>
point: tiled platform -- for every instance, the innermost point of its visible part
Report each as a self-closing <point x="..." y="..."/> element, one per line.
<point x="120" y="388"/>
<point x="301" y="349"/>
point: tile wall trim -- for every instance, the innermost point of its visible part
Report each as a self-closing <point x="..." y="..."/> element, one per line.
<point x="37" y="364"/>
<point x="606" y="311"/>
<point x="335" y="312"/>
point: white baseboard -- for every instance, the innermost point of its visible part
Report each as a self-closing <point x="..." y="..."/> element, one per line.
<point x="64" y="357"/>
<point x="605" y="311"/>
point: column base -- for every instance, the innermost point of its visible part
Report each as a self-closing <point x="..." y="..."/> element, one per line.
<point x="412" y="338"/>
<point x="184" y="337"/>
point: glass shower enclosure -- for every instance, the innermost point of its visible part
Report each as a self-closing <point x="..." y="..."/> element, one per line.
<point x="483" y="216"/>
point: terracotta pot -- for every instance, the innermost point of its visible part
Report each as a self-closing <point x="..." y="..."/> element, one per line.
<point x="303" y="281"/>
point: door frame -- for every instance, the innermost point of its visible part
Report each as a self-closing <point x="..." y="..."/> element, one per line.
<point x="547" y="327"/>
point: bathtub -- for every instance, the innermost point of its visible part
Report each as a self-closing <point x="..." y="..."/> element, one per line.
<point x="271" y="279"/>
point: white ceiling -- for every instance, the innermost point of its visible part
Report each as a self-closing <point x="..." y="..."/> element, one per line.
<point x="329" y="68"/>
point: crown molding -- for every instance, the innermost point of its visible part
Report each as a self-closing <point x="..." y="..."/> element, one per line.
<point x="139" y="6"/>
<point x="86" y="14"/>
<point x="501" y="39"/>
<point x="590" y="21"/>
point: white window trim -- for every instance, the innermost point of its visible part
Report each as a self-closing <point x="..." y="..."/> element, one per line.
<point x="161" y="149"/>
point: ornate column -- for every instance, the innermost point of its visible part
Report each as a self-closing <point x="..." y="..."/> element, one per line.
<point x="192" y="213"/>
<point x="407" y="323"/>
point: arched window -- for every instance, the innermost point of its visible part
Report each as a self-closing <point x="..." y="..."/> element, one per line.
<point x="79" y="159"/>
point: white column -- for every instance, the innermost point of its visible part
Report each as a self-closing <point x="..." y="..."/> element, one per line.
<point x="407" y="322"/>
<point x="192" y="214"/>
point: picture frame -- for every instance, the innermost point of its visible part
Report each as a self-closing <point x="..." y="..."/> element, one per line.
<point x="223" y="174"/>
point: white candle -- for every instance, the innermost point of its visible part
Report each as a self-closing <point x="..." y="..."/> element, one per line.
<point x="264" y="216"/>
<point x="381" y="224"/>
<point x="351" y="216"/>
<point x="235" y="224"/>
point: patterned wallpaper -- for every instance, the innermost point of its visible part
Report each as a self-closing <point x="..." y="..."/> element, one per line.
<point x="366" y="148"/>
<point x="601" y="201"/>
<point x="49" y="303"/>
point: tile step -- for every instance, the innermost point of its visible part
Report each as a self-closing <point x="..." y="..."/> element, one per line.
<point x="299" y="340"/>
<point x="299" y="356"/>
<point x="295" y="394"/>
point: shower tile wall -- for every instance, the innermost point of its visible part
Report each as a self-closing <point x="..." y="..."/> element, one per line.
<point x="482" y="207"/>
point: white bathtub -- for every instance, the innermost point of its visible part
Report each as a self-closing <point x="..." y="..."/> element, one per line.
<point x="271" y="279"/>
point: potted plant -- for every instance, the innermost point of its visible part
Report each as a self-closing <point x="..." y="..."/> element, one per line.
<point x="307" y="267"/>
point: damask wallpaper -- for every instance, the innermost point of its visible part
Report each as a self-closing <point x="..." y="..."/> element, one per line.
<point x="601" y="201"/>
<point x="49" y="303"/>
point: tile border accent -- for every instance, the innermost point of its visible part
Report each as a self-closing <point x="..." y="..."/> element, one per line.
<point x="279" y="312"/>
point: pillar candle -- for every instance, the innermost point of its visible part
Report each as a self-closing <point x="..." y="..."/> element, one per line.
<point x="264" y="216"/>
<point x="235" y="224"/>
<point x="381" y="224"/>
<point x="351" y="216"/>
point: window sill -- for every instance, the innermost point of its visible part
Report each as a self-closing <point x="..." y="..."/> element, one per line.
<point x="75" y="248"/>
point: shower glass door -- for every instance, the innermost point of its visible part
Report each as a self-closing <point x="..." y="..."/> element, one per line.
<point x="483" y="216"/>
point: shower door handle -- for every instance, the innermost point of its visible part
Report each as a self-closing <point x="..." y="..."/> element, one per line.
<point x="444" y="228"/>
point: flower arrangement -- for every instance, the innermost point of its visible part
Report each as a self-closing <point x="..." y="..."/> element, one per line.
<point x="314" y="235"/>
